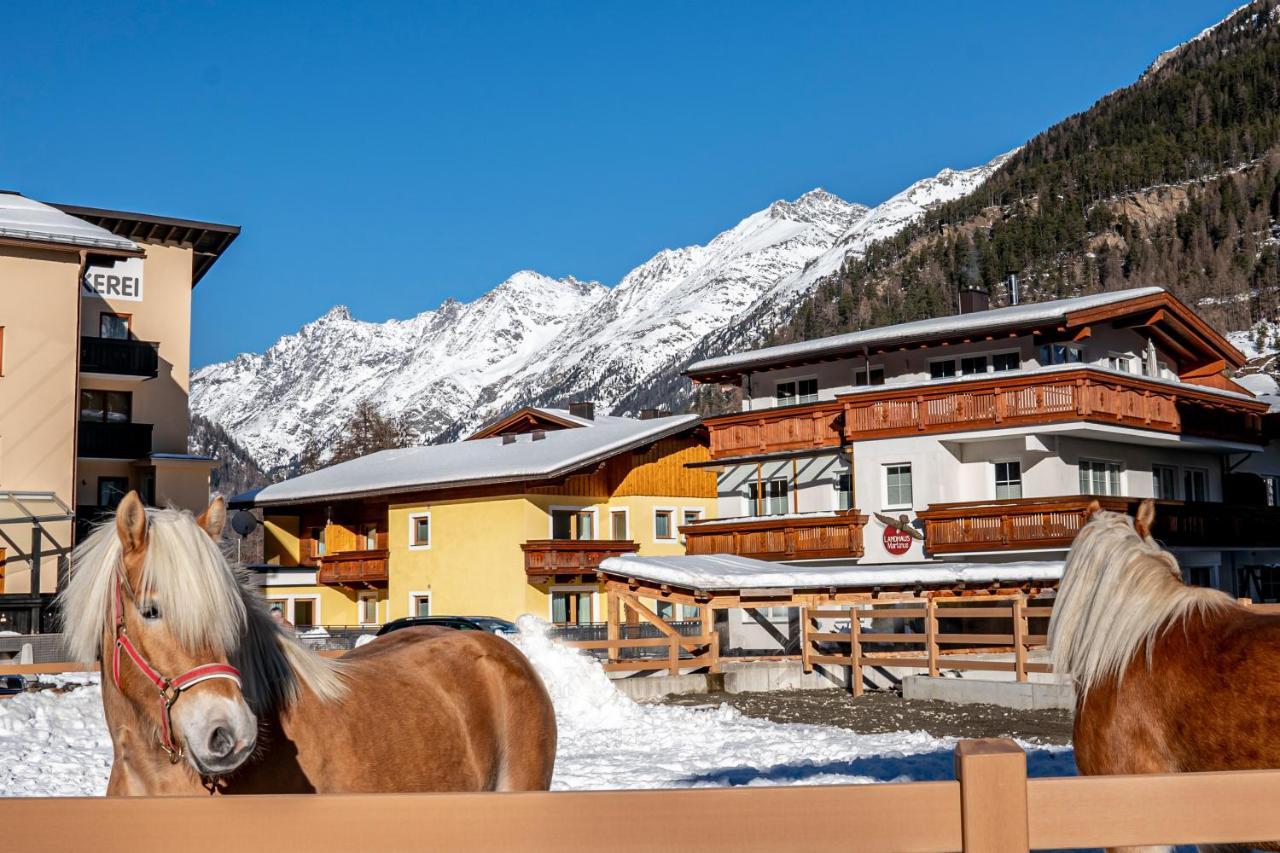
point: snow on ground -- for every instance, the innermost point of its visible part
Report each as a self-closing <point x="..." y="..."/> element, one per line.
<point x="53" y="742"/>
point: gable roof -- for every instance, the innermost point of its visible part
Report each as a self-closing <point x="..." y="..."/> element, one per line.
<point x="483" y="461"/>
<point x="1168" y="317"/>
<point x="26" y="220"/>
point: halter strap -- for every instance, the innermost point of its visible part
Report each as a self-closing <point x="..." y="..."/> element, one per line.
<point x="171" y="689"/>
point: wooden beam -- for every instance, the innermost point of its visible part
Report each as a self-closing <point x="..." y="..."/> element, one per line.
<point x="993" y="795"/>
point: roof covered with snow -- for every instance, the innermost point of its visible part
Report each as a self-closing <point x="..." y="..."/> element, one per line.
<point x="25" y="219"/>
<point x="475" y="462"/>
<point x="729" y="572"/>
<point x="996" y="318"/>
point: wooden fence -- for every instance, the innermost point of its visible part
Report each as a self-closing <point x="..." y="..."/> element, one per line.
<point x="991" y="807"/>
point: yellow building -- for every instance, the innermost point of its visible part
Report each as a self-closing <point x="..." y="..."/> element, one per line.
<point x="513" y="520"/>
<point x="95" y="340"/>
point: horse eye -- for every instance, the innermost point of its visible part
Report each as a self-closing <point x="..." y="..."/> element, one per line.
<point x="149" y="611"/>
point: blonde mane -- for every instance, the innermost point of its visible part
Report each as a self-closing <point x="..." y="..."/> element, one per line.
<point x="1119" y="593"/>
<point x="205" y="602"/>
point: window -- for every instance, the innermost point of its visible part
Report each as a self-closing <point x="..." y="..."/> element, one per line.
<point x="1195" y="484"/>
<point x="844" y="491"/>
<point x="421" y="604"/>
<point x="1122" y="362"/>
<point x="1008" y="480"/>
<point x="662" y="524"/>
<point x="1099" y="478"/>
<point x="572" y="523"/>
<point x="665" y="610"/>
<point x="797" y="392"/>
<point x="115" y="326"/>
<point x="111" y="490"/>
<point x="419" y="531"/>
<point x="1060" y="354"/>
<point x="304" y="612"/>
<point x="897" y="485"/>
<point x="942" y="369"/>
<point x="868" y="376"/>
<point x="618" y="525"/>
<point x="571" y="606"/>
<point x="110" y="407"/>
<point x="367" y="608"/>
<point x="371" y="537"/>
<point x="689" y="516"/>
<point x="774" y="501"/>
<point x="1164" y="482"/>
<point x="1002" y="361"/>
<point x="1199" y="575"/>
<point x="316" y="535"/>
<point x="973" y="364"/>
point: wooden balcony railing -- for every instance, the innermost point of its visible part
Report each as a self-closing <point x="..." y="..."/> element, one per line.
<point x="353" y="568"/>
<point x="1052" y="523"/>
<point x="1024" y="399"/>
<point x="796" y="537"/>
<point x="550" y="557"/>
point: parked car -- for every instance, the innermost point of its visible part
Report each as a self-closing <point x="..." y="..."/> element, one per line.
<point x="488" y="624"/>
<point x="11" y="685"/>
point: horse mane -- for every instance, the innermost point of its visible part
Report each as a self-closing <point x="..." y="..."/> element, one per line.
<point x="1120" y="591"/>
<point x="205" y="602"/>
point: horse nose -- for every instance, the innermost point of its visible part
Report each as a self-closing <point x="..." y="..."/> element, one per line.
<point x="221" y="742"/>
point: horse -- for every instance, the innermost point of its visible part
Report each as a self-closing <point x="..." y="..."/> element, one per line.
<point x="1169" y="677"/>
<point x="203" y="691"/>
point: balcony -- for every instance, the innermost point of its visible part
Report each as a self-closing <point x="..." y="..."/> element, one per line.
<point x="114" y="440"/>
<point x="353" y="568"/>
<point x="1052" y="523"/>
<point x="544" y="558"/>
<point x="993" y="402"/>
<point x="785" y="537"/>
<point x="115" y="357"/>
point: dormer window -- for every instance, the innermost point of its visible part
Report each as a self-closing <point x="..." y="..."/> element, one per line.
<point x="1122" y="362"/>
<point x="1060" y="354"/>
<point x="1005" y="361"/>
<point x="797" y="392"/>
<point x="973" y="364"/>
<point x="942" y="369"/>
<point x="864" y="376"/>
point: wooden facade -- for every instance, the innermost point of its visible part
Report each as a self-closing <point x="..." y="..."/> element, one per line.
<point x="552" y="558"/>
<point x="836" y="535"/>
<point x="354" y="568"/>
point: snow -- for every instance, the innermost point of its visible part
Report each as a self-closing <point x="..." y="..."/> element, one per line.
<point x="22" y="218"/>
<point x="484" y="460"/>
<point x="727" y="571"/>
<point x="55" y="742"/>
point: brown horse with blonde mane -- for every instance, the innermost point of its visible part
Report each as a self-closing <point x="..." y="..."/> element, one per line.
<point x="1169" y="678"/>
<point x="202" y="690"/>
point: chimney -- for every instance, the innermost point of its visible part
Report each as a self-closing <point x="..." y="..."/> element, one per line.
<point x="650" y="414"/>
<point x="585" y="410"/>
<point x="974" y="298"/>
<point x="508" y="438"/>
<point x="1011" y="289"/>
<point x="539" y="434"/>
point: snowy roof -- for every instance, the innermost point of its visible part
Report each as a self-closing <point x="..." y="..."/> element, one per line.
<point x="729" y="572"/>
<point x="22" y="218"/>
<point x="1264" y="387"/>
<point x="996" y="318"/>
<point x="474" y="462"/>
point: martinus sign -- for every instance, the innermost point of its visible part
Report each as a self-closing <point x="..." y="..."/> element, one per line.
<point x="116" y="279"/>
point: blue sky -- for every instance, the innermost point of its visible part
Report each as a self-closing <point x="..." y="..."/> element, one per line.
<point x="389" y="156"/>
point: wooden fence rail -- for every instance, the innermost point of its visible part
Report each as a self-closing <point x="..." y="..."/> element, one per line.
<point x="991" y="807"/>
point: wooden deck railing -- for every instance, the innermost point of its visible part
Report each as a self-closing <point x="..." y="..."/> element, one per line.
<point x="1024" y="399"/>
<point x="353" y="568"/>
<point x="990" y="806"/>
<point x="781" y="538"/>
<point x="548" y="557"/>
<point x="1052" y="523"/>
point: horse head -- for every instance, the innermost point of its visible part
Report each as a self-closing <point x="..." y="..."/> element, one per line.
<point x="172" y="671"/>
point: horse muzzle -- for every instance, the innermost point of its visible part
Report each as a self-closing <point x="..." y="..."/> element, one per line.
<point x="218" y="732"/>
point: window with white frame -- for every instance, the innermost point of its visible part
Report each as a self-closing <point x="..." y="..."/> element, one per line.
<point x="897" y="486"/>
<point x="1099" y="477"/>
<point x="1164" y="482"/>
<point x="774" y="499"/>
<point x="844" y="491"/>
<point x="872" y="375"/>
<point x="420" y="604"/>
<point x="419" y="531"/>
<point x="1195" y="484"/>
<point x="1060" y="354"/>
<point x="570" y="522"/>
<point x="1122" y="362"/>
<point x="1008" y="479"/>
<point x="690" y="515"/>
<point x="619" y="524"/>
<point x="1003" y="361"/>
<point x="367" y="608"/>
<point x="942" y="368"/>
<point x="797" y="391"/>
<point x="664" y="524"/>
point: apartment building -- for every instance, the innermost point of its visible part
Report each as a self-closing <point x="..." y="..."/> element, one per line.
<point x="513" y="520"/>
<point x="984" y="437"/>
<point x="95" y="330"/>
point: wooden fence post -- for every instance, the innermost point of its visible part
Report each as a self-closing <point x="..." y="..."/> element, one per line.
<point x="805" y="663"/>
<point x="1019" y="637"/>
<point x="611" y="608"/>
<point x="855" y="651"/>
<point x="993" y="795"/>
<point x="673" y="655"/>
<point x="708" y="619"/>
<point x="931" y="635"/>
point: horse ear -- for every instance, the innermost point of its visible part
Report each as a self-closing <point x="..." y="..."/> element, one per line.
<point x="1092" y="508"/>
<point x="213" y="518"/>
<point x="131" y="523"/>
<point x="1145" y="518"/>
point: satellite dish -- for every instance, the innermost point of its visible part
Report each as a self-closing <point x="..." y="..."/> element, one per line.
<point x="243" y="522"/>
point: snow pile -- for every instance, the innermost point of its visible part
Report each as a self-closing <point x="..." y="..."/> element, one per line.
<point x="55" y="743"/>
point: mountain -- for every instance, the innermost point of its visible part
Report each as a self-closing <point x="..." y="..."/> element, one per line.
<point x="535" y="339"/>
<point x="1173" y="180"/>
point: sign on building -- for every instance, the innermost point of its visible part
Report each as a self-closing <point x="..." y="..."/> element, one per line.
<point x="117" y="279"/>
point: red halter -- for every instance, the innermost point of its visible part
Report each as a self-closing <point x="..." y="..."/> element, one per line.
<point x="170" y="688"/>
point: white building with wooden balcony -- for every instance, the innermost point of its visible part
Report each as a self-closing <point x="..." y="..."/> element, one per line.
<point x="986" y="435"/>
